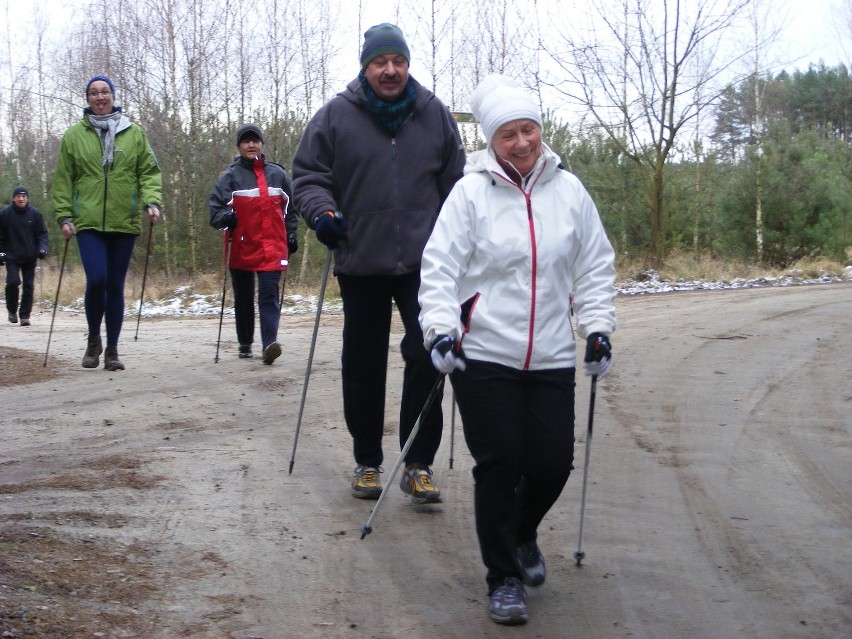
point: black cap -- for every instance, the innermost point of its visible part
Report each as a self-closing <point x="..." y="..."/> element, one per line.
<point x="20" y="189"/>
<point x="249" y="129"/>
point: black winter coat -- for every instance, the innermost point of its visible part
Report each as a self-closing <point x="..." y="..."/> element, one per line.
<point x="23" y="234"/>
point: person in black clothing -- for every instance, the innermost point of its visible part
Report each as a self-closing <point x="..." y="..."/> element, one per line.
<point x="23" y="239"/>
<point x="251" y="201"/>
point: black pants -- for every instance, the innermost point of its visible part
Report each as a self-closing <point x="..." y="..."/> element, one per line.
<point x="367" y="311"/>
<point x="269" y="307"/>
<point x="519" y="427"/>
<point x="15" y="274"/>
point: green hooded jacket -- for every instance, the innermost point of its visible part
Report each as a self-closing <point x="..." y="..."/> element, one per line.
<point x="105" y="198"/>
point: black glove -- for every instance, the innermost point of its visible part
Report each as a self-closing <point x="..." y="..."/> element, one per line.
<point x="229" y="221"/>
<point x="598" y="355"/>
<point x="2" y="259"/>
<point x="447" y="355"/>
<point x="292" y="242"/>
<point x="42" y="255"/>
<point x="331" y="229"/>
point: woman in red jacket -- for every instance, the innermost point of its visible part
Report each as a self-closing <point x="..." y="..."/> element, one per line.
<point x="250" y="200"/>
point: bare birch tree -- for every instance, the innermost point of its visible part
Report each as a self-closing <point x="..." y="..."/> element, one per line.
<point x="654" y="47"/>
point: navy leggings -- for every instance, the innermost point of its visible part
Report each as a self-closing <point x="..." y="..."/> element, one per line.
<point x="106" y="258"/>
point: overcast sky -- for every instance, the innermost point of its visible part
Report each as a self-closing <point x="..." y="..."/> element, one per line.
<point x="814" y="29"/>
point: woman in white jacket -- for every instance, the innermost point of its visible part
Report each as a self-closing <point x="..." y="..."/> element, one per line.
<point x="517" y="249"/>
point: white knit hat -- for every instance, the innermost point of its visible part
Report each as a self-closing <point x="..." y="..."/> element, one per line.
<point x="498" y="100"/>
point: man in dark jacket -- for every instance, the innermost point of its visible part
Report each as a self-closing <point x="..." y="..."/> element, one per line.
<point x="251" y="201"/>
<point x="23" y="239"/>
<point x="384" y="153"/>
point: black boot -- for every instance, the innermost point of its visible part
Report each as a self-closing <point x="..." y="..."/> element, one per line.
<point x="111" y="361"/>
<point x="93" y="352"/>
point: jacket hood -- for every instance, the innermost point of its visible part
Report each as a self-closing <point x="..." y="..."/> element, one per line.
<point x="484" y="161"/>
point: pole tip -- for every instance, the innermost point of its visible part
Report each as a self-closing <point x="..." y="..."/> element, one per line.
<point x="365" y="530"/>
<point x="579" y="556"/>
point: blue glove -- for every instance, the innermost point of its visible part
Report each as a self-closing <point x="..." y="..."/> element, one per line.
<point x="447" y="355"/>
<point x="331" y="228"/>
<point x="598" y="355"/>
<point x="42" y="255"/>
<point x="292" y="242"/>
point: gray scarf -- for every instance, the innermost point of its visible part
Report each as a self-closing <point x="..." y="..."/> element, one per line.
<point x="105" y="125"/>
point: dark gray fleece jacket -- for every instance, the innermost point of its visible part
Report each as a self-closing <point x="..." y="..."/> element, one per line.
<point x="389" y="188"/>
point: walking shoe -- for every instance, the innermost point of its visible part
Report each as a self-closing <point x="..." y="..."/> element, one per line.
<point x="508" y="603"/>
<point x="245" y="351"/>
<point x="366" y="483"/>
<point x="271" y="353"/>
<point x="111" y="361"/>
<point x="93" y="352"/>
<point x="531" y="564"/>
<point x="25" y="321"/>
<point x="13" y="318"/>
<point x="417" y="482"/>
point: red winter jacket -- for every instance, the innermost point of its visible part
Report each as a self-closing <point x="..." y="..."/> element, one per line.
<point x="259" y="242"/>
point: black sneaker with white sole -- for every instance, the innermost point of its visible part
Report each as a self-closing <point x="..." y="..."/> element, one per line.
<point x="531" y="564"/>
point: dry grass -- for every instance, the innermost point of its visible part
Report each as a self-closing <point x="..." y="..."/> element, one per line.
<point x="688" y="267"/>
<point x="158" y="286"/>
<point x="679" y="266"/>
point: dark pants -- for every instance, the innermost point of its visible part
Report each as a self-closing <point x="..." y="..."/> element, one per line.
<point x="15" y="274"/>
<point x="519" y="427"/>
<point x="106" y="258"/>
<point x="367" y="311"/>
<point x="269" y="307"/>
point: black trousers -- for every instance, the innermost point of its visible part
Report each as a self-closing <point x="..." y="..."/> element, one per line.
<point x="367" y="312"/>
<point x="519" y="427"/>
<point x="269" y="308"/>
<point x="15" y="275"/>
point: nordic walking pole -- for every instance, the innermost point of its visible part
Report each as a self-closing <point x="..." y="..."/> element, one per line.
<point x="579" y="555"/>
<point x="144" y="277"/>
<point x="310" y="357"/>
<point x="367" y="528"/>
<point x="453" y="429"/>
<point x="224" y="292"/>
<point x="56" y="301"/>
<point x="41" y="288"/>
<point x="283" y="286"/>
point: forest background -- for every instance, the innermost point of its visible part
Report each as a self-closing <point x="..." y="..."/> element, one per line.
<point x="696" y="138"/>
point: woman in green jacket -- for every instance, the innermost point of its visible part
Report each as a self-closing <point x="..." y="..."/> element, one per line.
<point x="106" y="177"/>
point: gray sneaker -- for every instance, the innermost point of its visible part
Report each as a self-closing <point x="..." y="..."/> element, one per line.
<point x="508" y="603"/>
<point x="25" y="321"/>
<point x="366" y="483"/>
<point x="13" y="318"/>
<point x="245" y="351"/>
<point x="531" y="564"/>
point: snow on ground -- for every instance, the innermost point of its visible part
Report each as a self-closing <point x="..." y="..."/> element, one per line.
<point x="184" y="303"/>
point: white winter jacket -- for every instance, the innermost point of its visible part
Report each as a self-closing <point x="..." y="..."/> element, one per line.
<point x="515" y="258"/>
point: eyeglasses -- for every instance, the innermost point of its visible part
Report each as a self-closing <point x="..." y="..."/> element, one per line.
<point x="94" y="94"/>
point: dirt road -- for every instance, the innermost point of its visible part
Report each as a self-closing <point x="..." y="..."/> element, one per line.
<point x="156" y="502"/>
